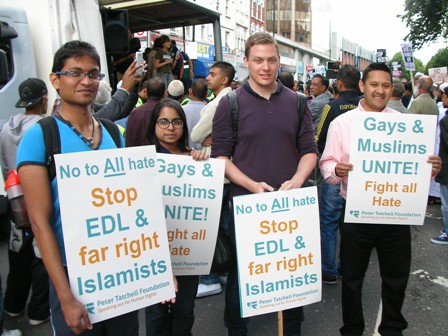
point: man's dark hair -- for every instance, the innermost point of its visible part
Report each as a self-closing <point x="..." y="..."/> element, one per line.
<point x="325" y="82"/>
<point x="349" y="76"/>
<point x="287" y="79"/>
<point x="144" y="84"/>
<point x="227" y="69"/>
<point x="199" y="88"/>
<point x="74" y="49"/>
<point x="375" y="67"/>
<point x="408" y="86"/>
<point x="134" y="44"/>
<point x="156" y="88"/>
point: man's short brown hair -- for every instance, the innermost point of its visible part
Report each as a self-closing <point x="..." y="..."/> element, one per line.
<point x="259" y="38"/>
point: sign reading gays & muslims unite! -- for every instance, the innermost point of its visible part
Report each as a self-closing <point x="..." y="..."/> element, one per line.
<point x="192" y="198"/>
<point x="278" y="247"/>
<point x="390" y="179"/>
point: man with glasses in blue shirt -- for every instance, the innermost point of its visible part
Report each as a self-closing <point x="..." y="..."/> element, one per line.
<point x="76" y="76"/>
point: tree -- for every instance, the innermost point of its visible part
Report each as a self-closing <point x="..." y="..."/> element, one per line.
<point x="419" y="67"/>
<point x="427" y="20"/>
<point x="439" y="60"/>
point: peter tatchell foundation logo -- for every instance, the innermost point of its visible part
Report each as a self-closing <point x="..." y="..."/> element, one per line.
<point x="354" y="213"/>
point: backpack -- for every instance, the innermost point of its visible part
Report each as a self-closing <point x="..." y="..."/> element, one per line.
<point x="233" y="101"/>
<point x="52" y="140"/>
<point x="302" y="102"/>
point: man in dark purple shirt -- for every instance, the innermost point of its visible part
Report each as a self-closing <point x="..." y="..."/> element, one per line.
<point x="266" y="154"/>
<point x="137" y="125"/>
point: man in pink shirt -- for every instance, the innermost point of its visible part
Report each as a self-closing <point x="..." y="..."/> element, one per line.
<point x="392" y="242"/>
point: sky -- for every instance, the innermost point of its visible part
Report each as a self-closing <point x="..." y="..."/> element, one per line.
<point x="373" y="24"/>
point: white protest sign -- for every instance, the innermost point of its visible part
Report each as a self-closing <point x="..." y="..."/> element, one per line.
<point x="406" y="52"/>
<point x="381" y="55"/>
<point x="390" y="179"/>
<point x="278" y="248"/>
<point x="438" y="75"/>
<point x="114" y="230"/>
<point x="191" y="48"/>
<point x="192" y="197"/>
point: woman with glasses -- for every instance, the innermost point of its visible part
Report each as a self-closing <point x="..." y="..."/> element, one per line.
<point x="168" y="131"/>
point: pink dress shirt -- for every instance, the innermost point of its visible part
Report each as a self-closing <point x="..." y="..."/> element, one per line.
<point x="337" y="146"/>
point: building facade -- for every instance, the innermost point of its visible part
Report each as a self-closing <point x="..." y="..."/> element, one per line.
<point x="301" y="27"/>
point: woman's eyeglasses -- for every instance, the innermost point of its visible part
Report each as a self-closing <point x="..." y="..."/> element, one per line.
<point x="165" y="123"/>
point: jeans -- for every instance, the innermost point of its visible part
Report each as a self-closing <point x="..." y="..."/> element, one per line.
<point x="167" y="77"/>
<point x="393" y="246"/>
<point x="209" y="279"/>
<point x="174" y="319"/>
<point x="213" y="278"/>
<point x="330" y="209"/>
<point x="235" y="324"/>
<point x="444" y="207"/>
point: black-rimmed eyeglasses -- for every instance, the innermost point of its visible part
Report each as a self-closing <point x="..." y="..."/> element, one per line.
<point x="165" y="123"/>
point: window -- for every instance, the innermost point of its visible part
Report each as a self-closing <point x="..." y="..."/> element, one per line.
<point x="202" y="32"/>
<point x="6" y="58"/>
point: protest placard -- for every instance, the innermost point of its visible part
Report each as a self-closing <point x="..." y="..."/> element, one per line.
<point x="278" y="249"/>
<point x="390" y="179"/>
<point x="192" y="198"/>
<point x="114" y="230"/>
<point x="406" y="52"/>
<point x="438" y="75"/>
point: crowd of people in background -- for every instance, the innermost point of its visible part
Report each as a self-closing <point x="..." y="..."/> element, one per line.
<point x="197" y="111"/>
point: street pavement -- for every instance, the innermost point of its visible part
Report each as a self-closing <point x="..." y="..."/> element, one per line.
<point x="425" y="308"/>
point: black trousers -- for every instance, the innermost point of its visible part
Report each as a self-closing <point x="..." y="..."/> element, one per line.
<point x="393" y="246"/>
<point x="174" y="319"/>
<point x="235" y="324"/>
<point x="27" y="273"/>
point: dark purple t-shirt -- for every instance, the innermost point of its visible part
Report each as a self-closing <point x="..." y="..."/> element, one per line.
<point x="266" y="149"/>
